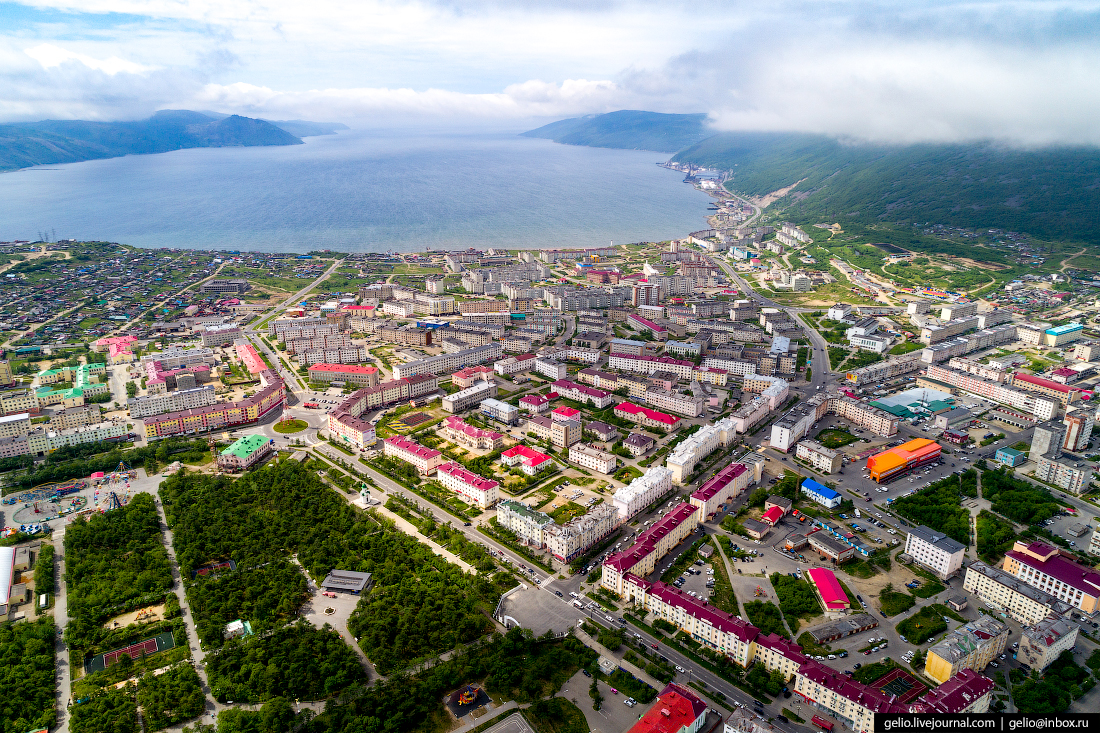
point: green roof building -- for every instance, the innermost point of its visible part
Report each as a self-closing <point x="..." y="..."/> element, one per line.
<point x="245" y="453"/>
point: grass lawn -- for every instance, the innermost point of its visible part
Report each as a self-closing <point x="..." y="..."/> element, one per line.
<point x="894" y="603"/>
<point x="290" y="426"/>
<point x="834" y="438"/>
<point x="567" y="511"/>
<point x="905" y="347"/>
<point x="627" y="474"/>
<point x="923" y="625"/>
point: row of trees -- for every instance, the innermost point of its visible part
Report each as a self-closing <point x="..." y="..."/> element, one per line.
<point x="113" y="559"/>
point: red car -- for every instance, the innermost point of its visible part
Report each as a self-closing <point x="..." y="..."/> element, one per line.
<point x="655" y="646"/>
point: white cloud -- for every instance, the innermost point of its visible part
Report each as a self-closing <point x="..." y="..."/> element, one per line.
<point x="51" y="56"/>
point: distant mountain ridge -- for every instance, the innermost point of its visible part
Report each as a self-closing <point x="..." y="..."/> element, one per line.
<point x="628" y="128"/>
<point x="27" y="144"/>
<point x="1051" y="193"/>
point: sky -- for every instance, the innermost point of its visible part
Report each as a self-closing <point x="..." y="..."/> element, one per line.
<point x="1019" y="73"/>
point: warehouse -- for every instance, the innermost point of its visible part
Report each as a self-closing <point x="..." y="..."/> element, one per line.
<point x="827" y="587"/>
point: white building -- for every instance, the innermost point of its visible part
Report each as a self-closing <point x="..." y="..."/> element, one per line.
<point x="838" y="312"/>
<point x="501" y="411"/>
<point x="184" y="399"/>
<point x="586" y="456"/>
<point x="934" y="550"/>
<point x="551" y="368"/>
<point x="1005" y="592"/>
<point x="642" y="491"/>
<point x="479" y="491"/>
<point x="469" y="397"/>
<point x="823" y="459"/>
<point x="449" y="363"/>
<point x="515" y="365"/>
<point x="683" y="459"/>
<point x="567" y="541"/>
<point x="526" y="523"/>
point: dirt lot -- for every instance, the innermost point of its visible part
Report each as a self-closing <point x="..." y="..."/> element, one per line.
<point x="149" y="613"/>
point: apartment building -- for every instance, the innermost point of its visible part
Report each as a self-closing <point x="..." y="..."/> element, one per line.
<point x="823" y="459"/>
<point x="1070" y="477"/>
<point x="465" y="399"/>
<point x="1041" y="643"/>
<point x="469" y="436"/>
<point x="1078" y="429"/>
<point x="650" y="364"/>
<point x="1042" y="407"/>
<point x="649" y="418"/>
<point x="678" y="402"/>
<point x="535" y="404"/>
<point x="642" y="491"/>
<point x="220" y="335"/>
<point x="598" y="379"/>
<point x="86" y="434"/>
<point x="1063" y="393"/>
<point x="12" y="425"/>
<point x="184" y="399"/>
<point x="529" y="525"/>
<point x="934" y="551"/>
<point x="584" y="394"/>
<point x="408" y="335"/>
<point x="689" y="453"/>
<point x="1005" y="592"/>
<point x="494" y="409"/>
<point x="76" y="417"/>
<point x="550" y="368"/>
<point x="481" y="492"/>
<point x="710" y="375"/>
<point x="641" y="558"/>
<point x="725" y="485"/>
<point x="426" y="460"/>
<point x="349" y="373"/>
<point x="560" y="433"/>
<point x="972" y="646"/>
<point x="449" y="363"/>
<point x="515" y="365"/>
<point x="1045" y="568"/>
<point x="470" y="376"/>
<point x="529" y="460"/>
<point x="272" y="394"/>
<point x="587" y="456"/>
<point x="568" y="541"/>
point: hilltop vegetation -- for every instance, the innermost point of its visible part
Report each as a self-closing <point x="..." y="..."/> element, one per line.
<point x="630" y="129"/>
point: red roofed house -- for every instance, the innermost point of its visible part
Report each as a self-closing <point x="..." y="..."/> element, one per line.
<point x="530" y="461"/>
<point x="1046" y="387"/>
<point x="565" y="413"/>
<point x="468" y="377"/>
<point x="481" y="492"/>
<point x="425" y="459"/>
<point x="675" y="711"/>
<point x="772" y="516"/>
<point x="645" y="416"/>
<point x="827" y="587"/>
<point x="535" y="403"/>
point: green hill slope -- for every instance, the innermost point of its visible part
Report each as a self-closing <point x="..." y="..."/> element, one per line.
<point x="1049" y="193"/>
<point x="70" y="141"/>
<point x="630" y="129"/>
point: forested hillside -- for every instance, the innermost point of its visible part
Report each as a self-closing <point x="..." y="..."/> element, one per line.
<point x="1050" y="193"/>
<point x="628" y="129"/>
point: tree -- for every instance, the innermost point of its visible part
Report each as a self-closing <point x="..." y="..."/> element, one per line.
<point x="594" y="693"/>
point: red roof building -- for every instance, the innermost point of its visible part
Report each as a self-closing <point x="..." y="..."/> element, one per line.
<point x="565" y="413"/>
<point x="828" y="587"/>
<point x="529" y="460"/>
<point x="645" y="416"/>
<point x="675" y="711"/>
<point x="773" y="515"/>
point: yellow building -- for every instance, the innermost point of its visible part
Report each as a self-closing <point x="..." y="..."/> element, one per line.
<point x="972" y="646"/>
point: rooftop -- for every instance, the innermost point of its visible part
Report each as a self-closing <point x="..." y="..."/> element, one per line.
<point x="245" y="446"/>
<point x="937" y="539"/>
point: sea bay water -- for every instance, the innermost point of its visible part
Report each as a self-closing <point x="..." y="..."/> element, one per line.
<point x="360" y="191"/>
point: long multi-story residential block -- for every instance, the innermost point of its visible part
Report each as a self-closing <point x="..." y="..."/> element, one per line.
<point x="934" y="550"/>
<point x="641" y="558"/>
<point x="426" y="460"/>
<point x="649" y="418"/>
<point x="18" y="400"/>
<point x="1047" y="569"/>
<point x="470" y="376"/>
<point x="1005" y="592"/>
<point x="710" y="375"/>
<point x="465" y="399"/>
<point x="76" y="417"/>
<point x="581" y="393"/>
<point x="601" y="380"/>
<point x="515" y="364"/>
<point x="88" y="434"/>
<point x="449" y="363"/>
<point x="470" y="436"/>
<point x="683" y="460"/>
<point x="586" y="456"/>
<point x="158" y="404"/>
<point x="727" y="484"/>
<point x="571" y="353"/>
<point x="345" y="423"/>
<point x="1048" y="388"/>
<point x="1062" y="473"/>
<point x="408" y="335"/>
<point x="12" y="425"/>
<point x="1042" y="407"/>
<point x="353" y="373"/>
<point x="972" y="646"/>
<point x="642" y="491"/>
<point x="477" y="490"/>
<point x="550" y="368"/>
<point x="341" y="355"/>
<point x="884" y="370"/>
<point x="567" y="541"/>
<point x="272" y="394"/>
<point x="527" y="524"/>
<point x="678" y="402"/>
<point x="969" y="342"/>
<point x="650" y="364"/>
<point x="313" y="343"/>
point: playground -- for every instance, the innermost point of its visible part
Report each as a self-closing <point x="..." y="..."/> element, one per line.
<point x="47" y="502"/>
<point x="141" y="615"/>
<point x="158" y="643"/>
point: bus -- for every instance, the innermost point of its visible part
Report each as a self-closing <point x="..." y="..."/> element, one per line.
<point x="311" y="405"/>
<point x="821" y="723"/>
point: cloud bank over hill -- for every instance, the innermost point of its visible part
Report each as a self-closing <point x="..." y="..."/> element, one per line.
<point x="1025" y="73"/>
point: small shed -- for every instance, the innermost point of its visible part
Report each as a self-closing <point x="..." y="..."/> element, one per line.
<point x="756" y="529"/>
<point x="957" y="603"/>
